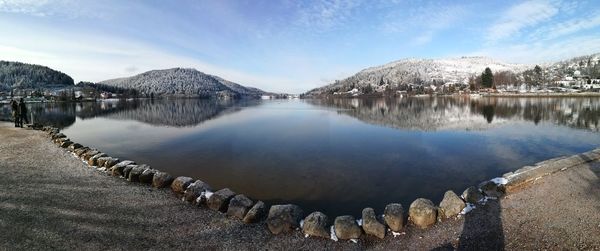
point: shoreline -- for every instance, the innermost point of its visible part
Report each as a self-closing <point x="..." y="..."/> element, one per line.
<point x="444" y="231"/>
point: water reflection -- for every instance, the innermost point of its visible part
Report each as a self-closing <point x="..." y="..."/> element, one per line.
<point x="431" y="114"/>
<point x="175" y="113"/>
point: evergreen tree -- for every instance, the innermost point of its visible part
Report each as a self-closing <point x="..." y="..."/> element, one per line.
<point x="487" y="78"/>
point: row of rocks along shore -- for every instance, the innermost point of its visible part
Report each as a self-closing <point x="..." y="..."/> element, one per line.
<point x="422" y="213"/>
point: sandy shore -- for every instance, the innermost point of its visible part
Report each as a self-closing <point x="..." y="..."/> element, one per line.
<point x="50" y="200"/>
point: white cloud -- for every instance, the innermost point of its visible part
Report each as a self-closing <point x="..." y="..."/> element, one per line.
<point x="424" y="21"/>
<point x="63" y="8"/>
<point x="326" y="14"/>
<point x="540" y="52"/>
<point x="568" y="27"/>
<point x="520" y="16"/>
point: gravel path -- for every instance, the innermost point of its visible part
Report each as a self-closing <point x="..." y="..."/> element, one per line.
<point x="50" y="200"/>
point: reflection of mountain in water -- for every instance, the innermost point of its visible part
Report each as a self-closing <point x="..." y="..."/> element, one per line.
<point x="56" y="114"/>
<point x="465" y="113"/>
<point x="183" y="112"/>
<point x="178" y="112"/>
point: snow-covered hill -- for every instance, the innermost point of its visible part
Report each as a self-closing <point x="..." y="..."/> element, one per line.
<point x="418" y="71"/>
<point x="183" y="82"/>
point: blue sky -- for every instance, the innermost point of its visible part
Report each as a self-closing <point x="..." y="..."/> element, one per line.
<point x="286" y="46"/>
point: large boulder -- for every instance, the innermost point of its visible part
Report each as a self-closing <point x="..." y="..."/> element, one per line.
<point x="371" y="225"/>
<point x="180" y="184"/>
<point x="79" y="152"/>
<point x="58" y="136"/>
<point x="193" y="191"/>
<point x="393" y="216"/>
<point x="101" y="161"/>
<point x="256" y="213"/>
<point x="472" y="195"/>
<point x="147" y="175"/>
<point x="134" y="175"/>
<point x="66" y="143"/>
<point x="88" y="154"/>
<point x="315" y="224"/>
<point x="284" y="218"/>
<point x="450" y="206"/>
<point x="117" y="169"/>
<point x="127" y="170"/>
<point x="162" y="179"/>
<point x="346" y="228"/>
<point x="422" y="213"/>
<point x="75" y="146"/>
<point x="239" y="206"/>
<point x="491" y="189"/>
<point x="93" y="161"/>
<point x="110" y="162"/>
<point x="219" y="200"/>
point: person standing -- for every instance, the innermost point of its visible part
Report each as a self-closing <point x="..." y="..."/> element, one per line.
<point x="23" y="112"/>
<point x="15" y="112"/>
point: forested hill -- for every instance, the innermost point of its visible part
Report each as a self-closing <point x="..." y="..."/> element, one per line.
<point x="184" y="82"/>
<point x="15" y="75"/>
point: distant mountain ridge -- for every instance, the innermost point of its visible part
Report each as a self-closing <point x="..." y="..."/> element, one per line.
<point x="16" y="75"/>
<point x="183" y="82"/>
<point x="446" y="70"/>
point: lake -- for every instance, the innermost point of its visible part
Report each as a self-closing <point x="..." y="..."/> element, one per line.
<point x="337" y="156"/>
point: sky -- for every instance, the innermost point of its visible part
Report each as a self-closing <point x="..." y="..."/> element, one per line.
<point x="286" y="45"/>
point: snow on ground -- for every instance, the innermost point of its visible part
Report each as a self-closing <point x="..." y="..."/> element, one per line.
<point x="499" y="181"/>
<point x="467" y="209"/>
<point x="332" y="234"/>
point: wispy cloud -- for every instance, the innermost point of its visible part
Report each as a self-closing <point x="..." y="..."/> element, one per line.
<point x="571" y="26"/>
<point x="520" y="16"/>
<point x="47" y="8"/>
<point x="423" y="22"/>
<point x="540" y="52"/>
<point x="325" y="14"/>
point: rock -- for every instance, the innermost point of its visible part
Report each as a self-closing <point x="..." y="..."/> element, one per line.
<point x="180" y="184"/>
<point x="134" y="174"/>
<point x="284" y="218"/>
<point x="315" y="224"/>
<point x="472" y="195"/>
<point x="79" y="152"/>
<point x="371" y="225"/>
<point x="491" y="189"/>
<point x="162" y="179"/>
<point x="346" y="228"/>
<point x="117" y="169"/>
<point x="220" y="200"/>
<point x="239" y="206"/>
<point x="194" y="190"/>
<point x="75" y="146"/>
<point x="127" y="170"/>
<point x="147" y="176"/>
<point x="66" y="143"/>
<point x="110" y="162"/>
<point x="88" y="154"/>
<point x="422" y="213"/>
<point x="450" y="206"/>
<point x="394" y="216"/>
<point x="93" y="161"/>
<point x="58" y="135"/>
<point x="102" y="160"/>
<point x="256" y="213"/>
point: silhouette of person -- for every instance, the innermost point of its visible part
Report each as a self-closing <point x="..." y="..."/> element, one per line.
<point x="23" y="112"/>
<point x="15" y="112"/>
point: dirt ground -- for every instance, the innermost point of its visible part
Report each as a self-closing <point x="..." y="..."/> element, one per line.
<point x="51" y="200"/>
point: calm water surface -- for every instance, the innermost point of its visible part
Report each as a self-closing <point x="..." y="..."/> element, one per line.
<point x="340" y="155"/>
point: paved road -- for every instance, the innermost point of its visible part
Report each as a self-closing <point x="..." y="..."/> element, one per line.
<point x="50" y="200"/>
